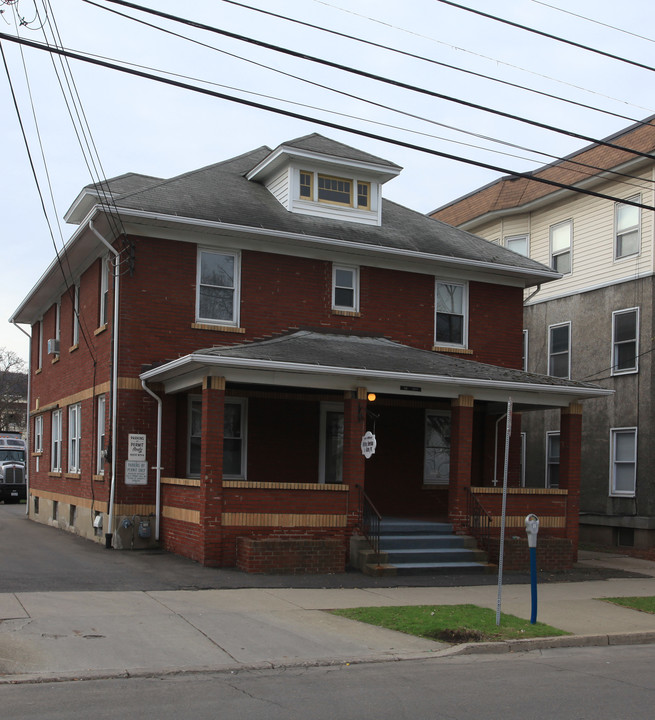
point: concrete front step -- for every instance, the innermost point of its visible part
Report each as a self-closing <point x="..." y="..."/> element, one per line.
<point x="434" y="555"/>
<point x="402" y="526"/>
<point x="446" y="568"/>
<point x="437" y="541"/>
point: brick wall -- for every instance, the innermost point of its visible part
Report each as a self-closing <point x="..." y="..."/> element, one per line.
<point x="554" y="554"/>
<point x="290" y="556"/>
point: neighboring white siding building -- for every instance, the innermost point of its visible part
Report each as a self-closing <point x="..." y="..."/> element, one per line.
<point x="595" y="323"/>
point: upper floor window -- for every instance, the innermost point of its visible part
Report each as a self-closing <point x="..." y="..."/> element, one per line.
<point x="56" y="432"/>
<point x="561" y="236"/>
<point x="559" y="350"/>
<point x="518" y="244"/>
<point x="524" y="363"/>
<point x="348" y="192"/>
<point x="39" y="355"/>
<point x="74" y="437"/>
<point x="217" y="298"/>
<point x="451" y="303"/>
<point x="38" y="434"/>
<point x="76" y="314"/>
<point x="104" y="291"/>
<point x="100" y="460"/>
<point x="623" y="464"/>
<point x="345" y="288"/>
<point x="626" y="228"/>
<point x="58" y="320"/>
<point x="306" y="185"/>
<point x="625" y="341"/>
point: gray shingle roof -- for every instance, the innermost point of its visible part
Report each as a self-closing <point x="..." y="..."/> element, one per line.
<point x="221" y="193"/>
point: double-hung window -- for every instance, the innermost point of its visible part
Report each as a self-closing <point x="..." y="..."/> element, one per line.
<point x="552" y="460"/>
<point x="76" y="314"/>
<point x="345" y="288"/>
<point x="451" y="302"/>
<point x="234" y="437"/>
<point x="56" y="433"/>
<point x="623" y="461"/>
<point x="559" y="350"/>
<point x="38" y="434"/>
<point x="336" y="190"/>
<point x="218" y="287"/>
<point x="561" y="237"/>
<point x="627" y="220"/>
<point x="100" y="460"/>
<point x="625" y="341"/>
<point x="74" y="437"/>
<point x="104" y="291"/>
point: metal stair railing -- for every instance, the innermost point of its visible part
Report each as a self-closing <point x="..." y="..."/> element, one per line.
<point x="370" y="520"/>
<point x="479" y="520"/>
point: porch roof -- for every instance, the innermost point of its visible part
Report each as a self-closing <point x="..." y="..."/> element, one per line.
<point x="332" y="361"/>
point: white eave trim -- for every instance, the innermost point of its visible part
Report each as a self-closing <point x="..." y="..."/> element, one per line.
<point x="315" y="240"/>
<point x="194" y="362"/>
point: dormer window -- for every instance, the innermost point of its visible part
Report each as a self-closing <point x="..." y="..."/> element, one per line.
<point x="306" y="185"/>
<point x="334" y="190"/>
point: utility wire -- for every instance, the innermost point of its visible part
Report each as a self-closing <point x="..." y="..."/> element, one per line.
<point x="481" y="136"/>
<point x="547" y="35"/>
<point x="319" y="121"/>
<point x="433" y="61"/>
<point x="378" y="78"/>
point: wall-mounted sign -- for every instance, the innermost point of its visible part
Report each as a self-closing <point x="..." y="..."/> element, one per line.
<point x="136" y="472"/>
<point x="369" y="443"/>
<point x="411" y="388"/>
<point x="136" y="447"/>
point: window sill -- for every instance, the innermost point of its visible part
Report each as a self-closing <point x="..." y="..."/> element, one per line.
<point x="100" y="330"/>
<point x="73" y="475"/>
<point x="218" y="328"/>
<point x="346" y="313"/>
<point x="99" y="478"/>
<point x="54" y="360"/>
<point x="38" y="371"/>
<point x="73" y="348"/>
<point x="37" y="454"/>
<point x="55" y="473"/>
<point x="450" y="349"/>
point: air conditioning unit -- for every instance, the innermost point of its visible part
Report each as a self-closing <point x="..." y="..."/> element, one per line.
<point x="53" y="346"/>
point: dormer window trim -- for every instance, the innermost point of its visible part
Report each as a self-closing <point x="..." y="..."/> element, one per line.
<point x="325" y="187"/>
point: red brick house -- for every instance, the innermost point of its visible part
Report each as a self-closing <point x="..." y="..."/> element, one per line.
<point x="210" y="349"/>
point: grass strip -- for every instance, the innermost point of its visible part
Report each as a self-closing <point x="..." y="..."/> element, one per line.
<point x="450" y="623"/>
<point x="643" y="604"/>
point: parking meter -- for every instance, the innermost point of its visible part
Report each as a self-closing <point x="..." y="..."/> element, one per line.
<point x="531" y="529"/>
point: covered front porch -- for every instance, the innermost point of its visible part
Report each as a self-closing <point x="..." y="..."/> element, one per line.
<point x="266" y="444"/>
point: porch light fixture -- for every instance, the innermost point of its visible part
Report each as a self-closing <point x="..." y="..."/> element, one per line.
<point x="371" y="397"/>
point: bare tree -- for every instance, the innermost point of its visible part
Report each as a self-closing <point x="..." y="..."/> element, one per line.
<point x="13" y="391"/>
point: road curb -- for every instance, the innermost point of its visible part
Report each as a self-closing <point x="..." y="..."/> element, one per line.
<point x="483" y="648"/>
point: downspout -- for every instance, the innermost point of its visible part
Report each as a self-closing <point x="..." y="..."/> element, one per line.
<point x="114" y="391"/>
<point x="158" y="400"/>
<point x="27" y="420"/>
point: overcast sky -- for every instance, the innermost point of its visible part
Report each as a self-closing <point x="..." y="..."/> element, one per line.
<point x="138" y="125"/>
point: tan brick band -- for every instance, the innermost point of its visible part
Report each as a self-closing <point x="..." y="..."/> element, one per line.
<point x="282" y="520"/>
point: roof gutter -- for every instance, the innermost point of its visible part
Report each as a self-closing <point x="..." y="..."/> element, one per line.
<point x="109" y="533"/>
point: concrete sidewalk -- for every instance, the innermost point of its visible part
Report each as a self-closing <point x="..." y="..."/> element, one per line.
<point x="65" y="635"/>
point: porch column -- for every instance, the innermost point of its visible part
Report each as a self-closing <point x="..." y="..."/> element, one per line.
<point x="461" y="445"/>
<point x="570" y="446"/>
<point x="211" y="464"/>
<point x="354" y="427"/>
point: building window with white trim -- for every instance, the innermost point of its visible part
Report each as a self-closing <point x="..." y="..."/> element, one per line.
<point x="524" y="363"/>
<point x="74" y="437"/>
<point x="345" y="288"/>
<point x="561" y="240"/>
<point x="625" y="341"/>
<point x="436" y="462"/>
<point x="623" y="461"/>
<point x="234" y="437"/>
<point x="58" y="320"/>
<point x="40" y="348"/>
<point x="76" y="314"/>
<point x="627" y="222"/>
<point x="217" y="297"/>
<point x="518" y="244"/>
<point x="451" y="321"/>
<point x="559" y="350"/>
<point x="104" y="291"/>
<point x="552" y="460"/>
<point x="38" y="434"/>
<point x="56" y="431"/>
<point x="100" y="440"/>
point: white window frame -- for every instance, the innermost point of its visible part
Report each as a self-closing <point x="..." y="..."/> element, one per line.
<point x="465" y="312"/>
<point x="100" y="437"/>
<point x="551" y="355"/>
<point x="550" y="463"/>
<point x="568" y="250"/>
<point x="627" y="230"/>
<point x="40" y="348"/>
<point x="525" y="350"/>
<point x="74" y="437"/>
<point x="442" y="478"/>
<point x="58" y="320"/>
<point x="616" y="344"/>
<point x="197" y="399"/>
<point x="327" y="407"/>
<point x="614" y="433"/>
<point x="56" y="436"/>
<point x="235" y="288"/>
<point x="515" y="239"/>
<point x="38" y="434"/>
<point x="354" y="307"/>
<point x="104" y="291"/>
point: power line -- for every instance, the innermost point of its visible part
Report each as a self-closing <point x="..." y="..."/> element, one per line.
<point x="481" y="136"/>
<point x="432" y="61"/>
<point x="319" y="121"/>
<point x="546" y="35"/>
<point x="379" y="78"/>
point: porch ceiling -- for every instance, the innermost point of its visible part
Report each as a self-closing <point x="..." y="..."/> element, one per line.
<point x="311" y="359"/>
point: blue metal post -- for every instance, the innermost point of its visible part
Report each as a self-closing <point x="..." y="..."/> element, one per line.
<point x="533" y="583"/>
